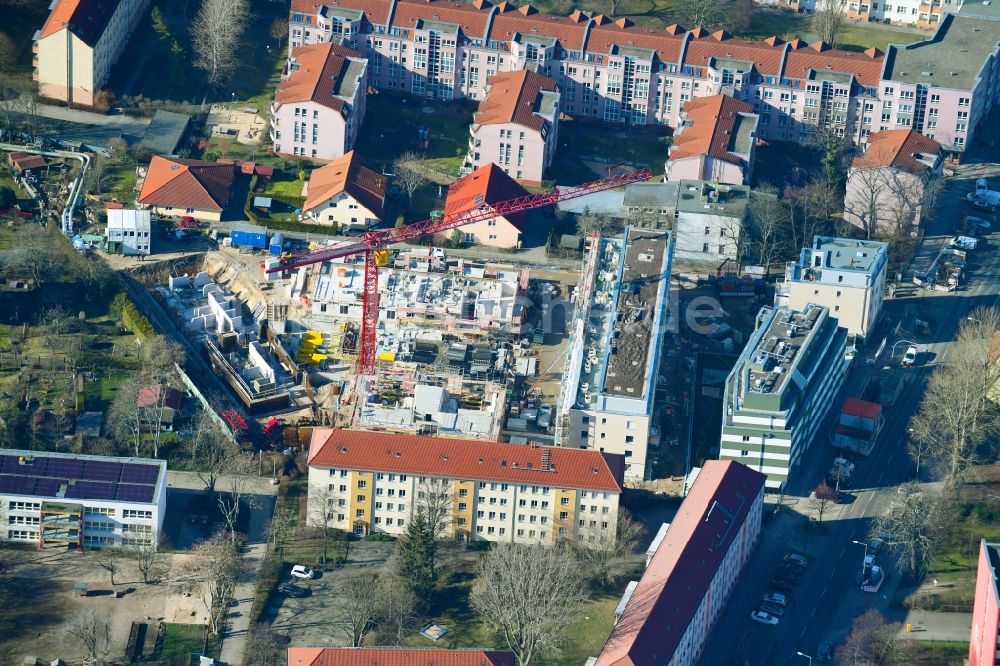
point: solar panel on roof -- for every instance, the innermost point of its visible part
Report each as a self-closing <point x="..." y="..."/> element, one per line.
<point x="91" y="490"/>
<point x="129" y="492"/>
<point x="99" y="470"/>
<point x="47" y="487"/>
<point x="7" y="463"/>
<point x="140" y="473"/>
<point x="66" y="468"/>
<point x="17" y="485"/>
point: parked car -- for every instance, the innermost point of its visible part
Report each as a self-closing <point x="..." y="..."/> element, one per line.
<point x="299" y="571"/>
<point x="910" y="357"/>
<point x="796" y="559"/>
<point x="291" y="590"/>
<point x="824" y="652"/>
<point x="775" y="598"/>
<point x="963" y="243"/>
<point x="763" y="618"/>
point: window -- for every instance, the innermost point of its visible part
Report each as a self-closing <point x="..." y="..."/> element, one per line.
<point x="21" y="535"/>
<point x="136" y="514"/>
<point x="359" y="513"/>
<point x="23" y="520"/>
<point x="362" y="485"/>
<point x="463" y="492"/>
<point x="24" y="506"/>
<point x="362" y="498"/>
<point x="99" y="511"/>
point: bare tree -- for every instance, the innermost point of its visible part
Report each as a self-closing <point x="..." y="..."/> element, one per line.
<point x="127" y="417"/>
<point x="828" y="20"/>
<point x="109" y="558"/>
<point x="919" y="450"/>
<point x="707" y="14"/>
<point x="823" y="497"/>
<point x="862" y="204"/>
<point x="210" y="450"/>
<point x="907" y="527"/>
<point x="603" y="551"/>
<point x="117" y="148"/>
<point x="872" y="641"/>
<point x="279" y="29"/>
<point x="215" y="36"/>
<point x="523" y="591"/>
<point x="33" y="256"/>
<point x="325" y="504"/>
<point x="771" y="220"/>
<point x="645" y="213"/>
<point x="736" y="238"/>
<point x="237" y="485"/>
<point x="213" y="571"/>
<point x="281" y="528"/>
<point x="262" y="647"/>
<point x="408" y="172"/>
<point x="613" y="6"/>
<point x="434" y="501"/>
<point x="589" y="222"/>
<point x="93" y="630"/>
<point x="358" y="597"/>
<point x="397" y="605"/>
<point x="147" y="555"/>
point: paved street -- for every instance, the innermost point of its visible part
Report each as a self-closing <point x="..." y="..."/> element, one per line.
<point x="826" y="600"/>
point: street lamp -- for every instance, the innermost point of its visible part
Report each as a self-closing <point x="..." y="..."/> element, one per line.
<point x="865" y="557"/>
<point x="803" y="654"/>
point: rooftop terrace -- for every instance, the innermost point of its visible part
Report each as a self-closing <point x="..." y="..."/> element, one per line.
<point x="778" y="349"/>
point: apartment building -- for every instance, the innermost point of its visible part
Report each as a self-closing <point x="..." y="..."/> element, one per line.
<point x="845" y="275"/>
<point x="346" y="194"/>
<point x="176" y="187"/>
<point x="888" y="186"/>
<point x="607" y="399"/>
<point x="715" y="141"/>
<point x="368" y="482"/>
<point x="481" y="190"/>
<point x="320" y="103"/>
<point x="129" y="232"/>
<point x="79" y="43"/>
<point x="522" y="104"/>
<point x="984" y="643"/>
<point x="778" y="394"/>
<point x="922" y="14"/>
<point x="62" y="500"/>
<point x="943" y="87"/>
<point x="671" y="612"/>
<point x="386" y="656"/>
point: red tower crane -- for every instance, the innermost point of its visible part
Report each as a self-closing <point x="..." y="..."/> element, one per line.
<point x="371" y="241"/>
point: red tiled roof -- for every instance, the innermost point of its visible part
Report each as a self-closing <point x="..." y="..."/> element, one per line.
<point x="896" y="148"/>
<point x="565" y="29"/>
<point x="866" y="68"/>
<point x="682" y="568"/>
<point x="377" y="11"/>
<point x="25" y="161"/>
<point x="86" y="19"/>
<point x="465" y="459"/>
<point x="149" y="396"/>
<point x="315" y="80"/>
<point x="171" y="181"/>
<point x="665" y="43"/>
<point x="471" y="20"/>
<point x="350" y="174"/>
<point x="512" y="99"/>
<point x="713" y="119"/>
<point x="765" y="57"/>
<point x="862" y="408"/>
<point x="485" y="186"/>
<point x="300" y="656"/>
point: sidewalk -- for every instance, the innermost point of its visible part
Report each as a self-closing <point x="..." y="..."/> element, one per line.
<point x="932" y="626"/>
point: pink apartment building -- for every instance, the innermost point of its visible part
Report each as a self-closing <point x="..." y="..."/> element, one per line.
<point x="984" y="643"/>
<point x="480" y="189"/>
<point x="670" y="614"/>
<point x="715" y="141"/>
<point x="621" y="73"/>
<point x="320" y="103"/>
<point x="886" y="183"/>
<point x="516" y="126"/>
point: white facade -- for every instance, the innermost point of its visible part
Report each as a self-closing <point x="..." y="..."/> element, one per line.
<point x="132" y="229"/>
<point x="919" y="13"/>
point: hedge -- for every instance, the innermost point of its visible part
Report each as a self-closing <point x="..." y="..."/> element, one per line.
<point x="128" y="315"/>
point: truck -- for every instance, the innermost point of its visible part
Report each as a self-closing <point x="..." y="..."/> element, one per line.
<point x="249" y="235"/>
<point x="858" y="426"/>
<point x="873" y="579"/>
<point x="983" y="197"/>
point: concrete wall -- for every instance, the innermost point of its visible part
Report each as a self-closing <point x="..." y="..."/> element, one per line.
<point x="66" y="68"/>
<point x="494" y="232"/>
<point x="625" y="434"/>
<point x="722" y="239"/>
<point x="983" y="646"/>
<point x="485" y="148"/>
<point x="705" y="168"/>
<point x="344" y="212"/>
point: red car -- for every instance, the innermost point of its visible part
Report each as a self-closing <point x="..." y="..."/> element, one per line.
<point x="188" y="222"/>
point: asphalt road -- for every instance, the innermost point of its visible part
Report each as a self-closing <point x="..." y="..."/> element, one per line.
<point x="826" y="600"/>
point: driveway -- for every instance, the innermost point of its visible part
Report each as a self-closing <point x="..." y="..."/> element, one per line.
<point x="127" y="125"/>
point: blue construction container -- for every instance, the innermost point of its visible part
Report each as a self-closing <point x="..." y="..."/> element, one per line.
<point x="249" y="235"/>
<point x="277" y="243"/>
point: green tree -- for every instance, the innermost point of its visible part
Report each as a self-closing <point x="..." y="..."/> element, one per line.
<point x="7" y="197"/>
<point x="160" y="26"/>
<point x="178" y="63"/>
<point x="417" y="553"/>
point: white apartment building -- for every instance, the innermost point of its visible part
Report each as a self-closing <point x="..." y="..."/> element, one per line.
<point x="370" y="482"/>
<point x="781" y="389"/>
<point x="607" y="398"/>
<point x="843" y="274"/>
<point x="923" y="14"/>
<point x="129" y="232"/>
<point x="61" y="500"/>
<point x="80" y="41"/>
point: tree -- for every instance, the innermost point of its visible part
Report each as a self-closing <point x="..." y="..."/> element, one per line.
<point x="278" y="29"/>
<point x="523" y="591"/>
<point x="8" y="53"/>
<point x="236" y="489"/>
<point x="33" y="256"/>
<point x="325" y="502"/>
<point x="126" y="416"/>
<point x="919" y="450"/>
<point x="213" y="569"/>
<point x="215" y="36"/>
<point x="417" y="552"/>
<point x="358" y="596"/>
<point x="262" y="648"/>
<point x="613" y="6"/>
<point x="408" y="172"/>
<point x="862" y="204"/>
<point x="707" y="14"/>
<point x="109" y="559"/>
<point x="828" y="20"/>
<point x="159" y="358"/>
<point x="603" y="551"/>
<point x="280" y="528"/>
<point x="823" y="497"/>
<point x="588" y="222"/>
<point x="93" y="631"/>
<point x="872" y="641"/>
<point x="159" y="23"/>
<point x="117" y="148"/>
<point x="741" y="16"/>
<point x="397" y="605"/>
<point x="770" y="220"/>
<point x="147" y="555"/>
<point x="907" y="527"/>
<point x="210" y="450"/>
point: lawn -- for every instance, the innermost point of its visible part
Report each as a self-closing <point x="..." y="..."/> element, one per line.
<point x="180" y="641"/>
<point x="935" y="653"/>
<point x="121" y="184"/>
<point x="7" y="180"/>
<point x="602" y="145"/>
<point x="288" y="188"/>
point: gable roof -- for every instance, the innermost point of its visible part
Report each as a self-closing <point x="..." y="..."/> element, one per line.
<point x="681" y="570"/>
<point x="172" y="181"/>
<point x="149" y="396"/>
<point x="666" y="43"/>
<point x="86" y="19"/>
<point x="466" y="459"/>
<point x="485" y="186"/>
<point x="470" y="19"/>
<point x="346" y="656"/>
<point x="820" y="58"/>
<point x="568" y="31"/>
<point x="319" y="73"/>
<point x="514" y="97"/>
<point x="350" y="174"/>
<point x="714" y="129"/>
<point x="766" y="58"/>
<point x="897" y="148"/>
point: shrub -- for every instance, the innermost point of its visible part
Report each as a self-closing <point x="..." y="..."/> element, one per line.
<point x="211" y="156"/>
<point x="128" y="315"/>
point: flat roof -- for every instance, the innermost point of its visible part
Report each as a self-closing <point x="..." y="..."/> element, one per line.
<point x="780" y="347"/>
<point x="65" y="476"/>
<point x="165" y="132"/>
<point x="954" y="56"/>
<point x="651" y="194"/>
<point x="699" y="196"/>
<point x="848" y="254"/>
